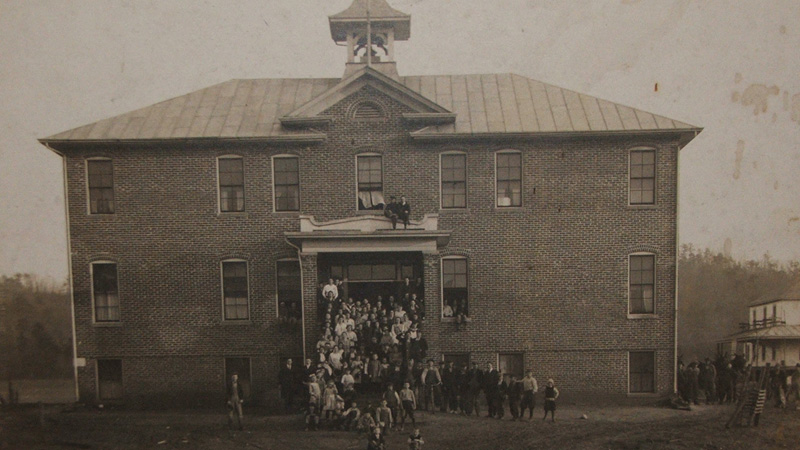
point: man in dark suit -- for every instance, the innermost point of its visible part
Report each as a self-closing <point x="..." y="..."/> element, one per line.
<point x="391" y="211"/>
<point x="403" y="211"/>
<point x="286" y="380"/>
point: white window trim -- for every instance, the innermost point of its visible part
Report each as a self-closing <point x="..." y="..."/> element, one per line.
<point x="105" y="323"/>
<point x="244" y="185"/>
<point x="222" y="291"/>
<point x="97" y="380"/>
<point x="466" y="181"/>
<point x="441" y="285"/>
<point x="277" y="297"/>
<point x="521" y="179"/>
<point x="655" y="177"/>
<point x="383" y="185"/>
<point x="655" y="285"/>
<point x="88" y="190"/>
<point x="299" y="184"/>
<point x="655" y="374"/>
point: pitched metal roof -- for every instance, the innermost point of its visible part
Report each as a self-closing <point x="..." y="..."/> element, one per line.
<point x="378" y="9"/>
<point x="793" y="294"/>
<point x="484" y="104"/>
<point x="777" y="332"/>
<point x="380" y="13"/>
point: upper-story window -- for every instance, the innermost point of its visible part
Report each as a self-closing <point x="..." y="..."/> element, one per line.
<point x="642" y="277"/>
<point x="642" y="177"/>
<point x="100" y="175"/>
<point x="455" y="287"/>
<point x="508" y="179"/>
<point x="105" y="292"/>
<point x="286" y="176"/>
<point x="231" y="183"/>
<point x="370" y="181"/>
<point x="235" y="301"/>
<point x="454" y="180"/>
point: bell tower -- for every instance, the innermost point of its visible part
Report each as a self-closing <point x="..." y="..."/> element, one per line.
<point x="369" y="29"/>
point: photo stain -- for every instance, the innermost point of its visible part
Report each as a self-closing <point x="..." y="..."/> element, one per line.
<point x="757" y="95"/>
<point x="737" y="78"/>
<point x="737" y="168"/>
<point x="656" y="87"/>
<point x="783" y="29"/>
<point x="776" y="185"/>
<point x="796" y="108"/>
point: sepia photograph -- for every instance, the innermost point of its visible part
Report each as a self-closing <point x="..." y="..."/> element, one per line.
<point x="389" y="224"/>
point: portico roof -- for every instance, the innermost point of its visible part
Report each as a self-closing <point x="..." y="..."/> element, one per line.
<point x="368" y="233"/>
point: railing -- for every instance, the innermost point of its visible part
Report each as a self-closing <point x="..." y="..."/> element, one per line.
<point x="763" y="323"/>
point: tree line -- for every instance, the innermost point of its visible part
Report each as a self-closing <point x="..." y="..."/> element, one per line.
<point x="35" y="328"/>
<point x="715" y="290"/>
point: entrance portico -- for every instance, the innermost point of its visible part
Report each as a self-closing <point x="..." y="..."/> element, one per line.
<point x="371" y="253"/>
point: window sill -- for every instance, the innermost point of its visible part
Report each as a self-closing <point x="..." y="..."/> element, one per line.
<point x="643" y="394"/>
<point x="236" y="322"/>
<point x="291" y="214"/>
<point x="643" y="316"/>
<point x="509" y="208"/>
<point x="454" y="211"/>
<point x="653" y="206"/>
<point x="232" y="214"/>
<point x="453" y="319"/>
<point x="107" y="324"/>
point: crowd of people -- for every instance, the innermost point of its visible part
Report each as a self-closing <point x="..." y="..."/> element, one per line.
<point x="718" y="381"/>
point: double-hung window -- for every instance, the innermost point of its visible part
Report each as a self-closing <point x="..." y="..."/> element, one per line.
<point x="231" y="183"/>
<point x="370" y="182"/>
<point x="286" y="172"/>
<point x="642" y="177"/>
<point x="641" y="372"/>
<point x="455" y="290"/>
<point x="235" y="296"/>
<point x="642" y="276"/>
<point x="508" y="179"/>
<point x="100" y="175"/>
<point x="105" y="292"/>
<point x="454" y="180"/>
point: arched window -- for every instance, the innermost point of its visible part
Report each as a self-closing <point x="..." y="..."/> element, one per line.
<point x="455" y="286"/>
<point x="641" y="283"/>
<point x="369" y="169"/>
<point x="105" y="291"/>
<point x="235" y="291"/>
<point x="368" y="111"/>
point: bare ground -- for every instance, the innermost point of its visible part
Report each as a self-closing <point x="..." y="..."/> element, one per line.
<point x="613" y="427"/>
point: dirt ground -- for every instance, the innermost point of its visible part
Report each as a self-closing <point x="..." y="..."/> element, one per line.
<point x="615" y="427"/>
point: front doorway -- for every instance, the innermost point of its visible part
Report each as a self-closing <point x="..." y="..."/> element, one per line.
<point x="373" y="275"/>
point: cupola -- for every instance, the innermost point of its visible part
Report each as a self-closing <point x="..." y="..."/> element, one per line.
<point x="369" y="29"/>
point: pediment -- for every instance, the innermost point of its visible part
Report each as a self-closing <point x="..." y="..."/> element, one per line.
<point x="421" y="108"/>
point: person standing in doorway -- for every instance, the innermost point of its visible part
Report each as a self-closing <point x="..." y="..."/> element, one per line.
<point x="235" y="400"/>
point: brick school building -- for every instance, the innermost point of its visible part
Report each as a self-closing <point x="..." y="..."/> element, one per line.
<point x="202" y="228"/>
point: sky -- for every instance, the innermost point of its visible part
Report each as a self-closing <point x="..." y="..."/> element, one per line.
<point x="727" y="66"/>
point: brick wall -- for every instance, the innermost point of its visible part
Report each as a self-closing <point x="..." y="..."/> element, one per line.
<point x="548" y="279"/>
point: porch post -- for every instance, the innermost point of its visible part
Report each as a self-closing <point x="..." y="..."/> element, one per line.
<point x="433" y="304"/>
<point x="311" y="327"/>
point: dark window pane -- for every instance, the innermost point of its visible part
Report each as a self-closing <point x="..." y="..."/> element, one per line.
<point x="235" y="291"/>
<point x="231" y="184"/>
<point x="642" y="372"/>
<point x="642" y="284"/>
<point x="109" y="379"/>
<point x="642" y="177"/>
<point x="101" y="186"/>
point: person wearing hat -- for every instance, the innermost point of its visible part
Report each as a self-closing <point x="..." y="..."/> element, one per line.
<point x="404" y="211"/>
<point x="550" y="396"/>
